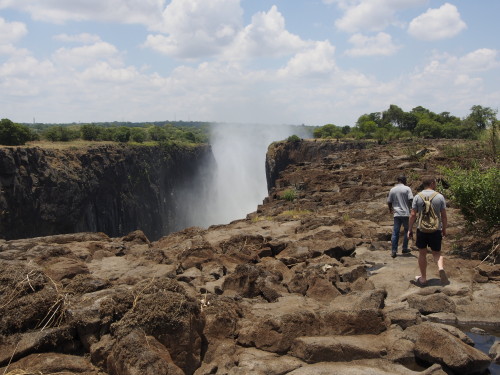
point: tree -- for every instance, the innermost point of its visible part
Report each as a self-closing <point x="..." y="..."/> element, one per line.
<point x="12" y="134"/>
<point x="60" y="134"/>
<point x="138" y="135"/>
<point x="157" y="133"/>
<point x="482" y="117"/>
<point x="90" y="132"/>
<point x="328" y="131"/>
<point x="428" y="128"/>
<point x="121" y="134"/>
<point x="394" y="116"/>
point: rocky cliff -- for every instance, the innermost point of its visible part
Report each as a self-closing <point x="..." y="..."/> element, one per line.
<point x="300" y="287"/>
<point x="111" y="189"/>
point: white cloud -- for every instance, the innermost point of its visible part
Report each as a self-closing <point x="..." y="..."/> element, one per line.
<point x="144" y="12"/>
<point x="84" y="38"/>
<point x="372" y="15"/>
<point x="196" y="28"/>
<point x="266" y="36"/>
<point x="11" y="32"/>
<point x="104" y="72"/>
<point x="480" y="60"/>
<point x="380" y="44"/>
<point x="23" y="75"/>
<point x="452" y="82"/>
<point x="436" y="24"/>
<point x="313" y="62"/>
<point x="85" y="55"/>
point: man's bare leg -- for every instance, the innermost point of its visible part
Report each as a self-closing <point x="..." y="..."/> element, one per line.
<point x="439" y="259"/>
<point x="422" y="264"/>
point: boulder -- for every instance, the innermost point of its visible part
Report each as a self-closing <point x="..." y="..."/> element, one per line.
<point x="435" y="345"/>
<point x="52" y="363"/>
<point x="338" y="348"/>
<point x="433" y="303"/>
<point x="140" y="354"/>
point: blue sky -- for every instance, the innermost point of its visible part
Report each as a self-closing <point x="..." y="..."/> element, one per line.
<point x="249" y="61"/>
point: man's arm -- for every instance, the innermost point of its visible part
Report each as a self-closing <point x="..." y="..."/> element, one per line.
<point x="389" y="204"/>
<point x="444" y="221"/>
<point x="413" y="217"/>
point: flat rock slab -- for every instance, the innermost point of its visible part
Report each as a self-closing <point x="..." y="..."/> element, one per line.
<point x="364" y="367"/>
<point x="338" y="348"/>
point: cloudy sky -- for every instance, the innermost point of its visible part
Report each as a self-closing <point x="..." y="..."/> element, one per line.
<point x="250" y="61"/>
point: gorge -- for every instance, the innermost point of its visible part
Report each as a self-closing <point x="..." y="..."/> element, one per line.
<point x="301" y="285"/>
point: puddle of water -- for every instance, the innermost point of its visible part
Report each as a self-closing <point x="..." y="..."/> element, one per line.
<point x="484" y="342"/>
<point x="372" y="270"/>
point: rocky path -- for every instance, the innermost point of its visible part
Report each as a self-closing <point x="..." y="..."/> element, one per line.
<point x="305" y="286"/>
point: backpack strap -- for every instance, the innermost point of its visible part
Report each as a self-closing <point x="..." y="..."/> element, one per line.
<point x="431" y="197"/>
<point x="426" y="197"/>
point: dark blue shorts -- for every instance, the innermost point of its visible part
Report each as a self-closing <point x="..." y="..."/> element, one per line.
<point x="433" y="240"/>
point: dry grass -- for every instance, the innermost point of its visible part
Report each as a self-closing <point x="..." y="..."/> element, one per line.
<point x="77" y="144"/>
<point x="57" y="312"/>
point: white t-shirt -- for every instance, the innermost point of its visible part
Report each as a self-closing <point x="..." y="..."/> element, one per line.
<point x="400" y="197"/>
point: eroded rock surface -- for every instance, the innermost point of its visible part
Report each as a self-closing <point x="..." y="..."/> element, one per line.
<point x="298" y="287"/>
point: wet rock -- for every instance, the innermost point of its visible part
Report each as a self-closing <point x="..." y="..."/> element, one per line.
<point x="435" y="345"/>
<point x="494" y="352"/>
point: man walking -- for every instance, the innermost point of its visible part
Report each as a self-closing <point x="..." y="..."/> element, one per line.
<point x="399" y="202"/>
<point x="426" y="238"/>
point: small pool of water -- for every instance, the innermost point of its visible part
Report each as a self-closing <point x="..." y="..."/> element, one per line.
<point x="484" y="342"/>
<point x="372" y="270"/>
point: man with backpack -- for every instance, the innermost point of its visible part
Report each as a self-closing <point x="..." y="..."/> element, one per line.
<point x="429" y="211"/>
<point x="399" y="202"/>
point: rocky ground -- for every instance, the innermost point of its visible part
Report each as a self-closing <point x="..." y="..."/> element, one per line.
<point x="302" y="286"/>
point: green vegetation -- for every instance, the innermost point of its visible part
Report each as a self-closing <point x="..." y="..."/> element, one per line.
<point x="293" y="138"/>
<point x="289" y="195"/>
<point x="150" y="134"/>
<point x="14" y="134"/>
<point x="394" y="123"/>
<point x="477" y="194"/>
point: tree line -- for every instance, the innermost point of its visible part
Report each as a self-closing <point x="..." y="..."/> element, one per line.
<point x="394" y="123"/>
<point x="13" y="134"/>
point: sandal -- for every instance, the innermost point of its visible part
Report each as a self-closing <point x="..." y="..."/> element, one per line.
<point x="419" y="283"/>
<point x="443" y="277"/>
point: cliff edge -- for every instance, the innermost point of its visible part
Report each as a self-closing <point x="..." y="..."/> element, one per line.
<point x="112" y="189"/>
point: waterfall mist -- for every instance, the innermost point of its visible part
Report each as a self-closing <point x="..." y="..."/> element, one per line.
<point x="236" y="182"/>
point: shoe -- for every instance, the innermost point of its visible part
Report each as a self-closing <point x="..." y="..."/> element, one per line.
<point x="407" y="251"/>
<point x="394" y="255"/>
<point x="418" y="282"/>
<point x="443" y="277"/>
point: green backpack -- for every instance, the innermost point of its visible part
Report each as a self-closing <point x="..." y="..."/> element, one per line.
<point x="428" y="221"/>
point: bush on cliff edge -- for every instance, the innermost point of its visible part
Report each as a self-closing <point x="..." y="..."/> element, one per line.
<point x="13" y="134"/>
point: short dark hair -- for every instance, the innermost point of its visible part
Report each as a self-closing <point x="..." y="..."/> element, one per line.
<point x="428" y="182"/>
<point x="402" y="179"/>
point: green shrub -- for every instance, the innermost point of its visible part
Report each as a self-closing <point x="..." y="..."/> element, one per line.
<point x="293" y="138"/>
<point x="14" y="134"/>
<point x="60" y="133"/>
<point x="91" y="132"/>
<point x="477" y="194"/>
<point x="289" y="195"/>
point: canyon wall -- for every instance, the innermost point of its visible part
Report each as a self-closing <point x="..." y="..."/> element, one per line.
<point x="281" y="154"/>
<point x="113" y="189"/>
